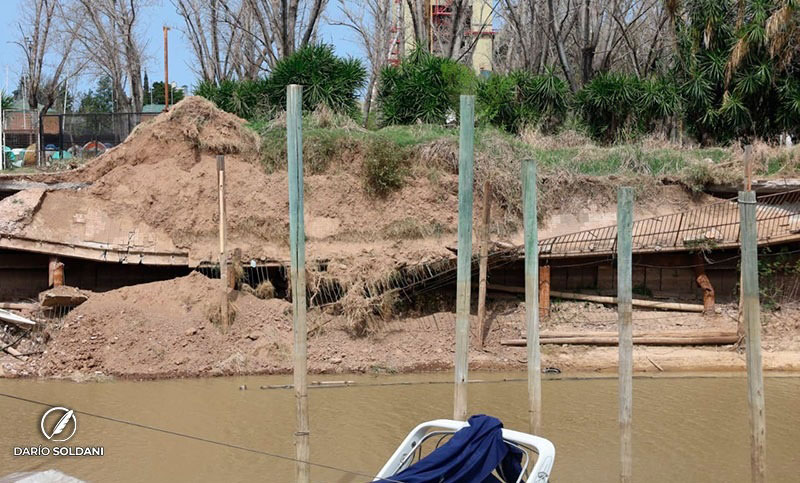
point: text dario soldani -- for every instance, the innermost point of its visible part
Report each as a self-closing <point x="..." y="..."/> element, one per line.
<point x="58" y="424"/>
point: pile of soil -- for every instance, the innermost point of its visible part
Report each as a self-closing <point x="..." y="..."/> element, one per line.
<point x="169" y="328"/>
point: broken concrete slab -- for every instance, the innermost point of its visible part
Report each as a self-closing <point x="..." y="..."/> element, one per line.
<point x="63" y="296"/>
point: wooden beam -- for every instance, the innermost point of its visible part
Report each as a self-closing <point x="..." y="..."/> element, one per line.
<point x="613" y="340"/>
<point x="464" y="267"/>
<point x="603" y="299"/>
<point x="95" y="251"/>
<point x="752" y="326"/>
<point x="297" y="245"/>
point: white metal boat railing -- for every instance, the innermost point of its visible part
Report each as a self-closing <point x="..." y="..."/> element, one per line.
<point x="403" y="457"/>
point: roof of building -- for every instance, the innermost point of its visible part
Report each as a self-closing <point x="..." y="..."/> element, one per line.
<point x="153" y="108"/>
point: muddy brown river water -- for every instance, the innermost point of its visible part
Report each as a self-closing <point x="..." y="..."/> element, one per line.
<point x="687" y="428"/>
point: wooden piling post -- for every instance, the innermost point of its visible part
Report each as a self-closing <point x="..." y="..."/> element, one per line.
<point x="544" y="291"/>
<point x="748" y="185"/>
<point x="625" y="308"/>
<point x="224" y="308"/>
<point x="530" y="222"/>
<point x="464" y="270"/>
<point x="297" y="245"/>
<point x="484" y="261"/>
<point x="752" y="327"/>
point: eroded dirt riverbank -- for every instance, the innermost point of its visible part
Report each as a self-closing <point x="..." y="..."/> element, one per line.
<point x="167" y="329"/>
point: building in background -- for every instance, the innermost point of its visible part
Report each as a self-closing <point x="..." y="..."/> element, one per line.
<point x="477" y="38"/>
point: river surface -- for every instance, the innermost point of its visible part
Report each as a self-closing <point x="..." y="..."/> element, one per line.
<point x="690" y="429"/>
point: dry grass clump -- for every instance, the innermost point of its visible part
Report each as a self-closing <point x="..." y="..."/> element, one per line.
<point x="568" y="138"/>
<point x="265" y="290"/>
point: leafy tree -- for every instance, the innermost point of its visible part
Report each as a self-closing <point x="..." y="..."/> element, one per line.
<point x="157" y="93"/>
<point x="423" y="88"/>
<point x="146" y="93"/>
<point x="100" y="99"/>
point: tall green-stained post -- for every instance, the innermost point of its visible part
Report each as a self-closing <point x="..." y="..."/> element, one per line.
<point x="297" y="245"/>
<point x="752" y="331"/>
<point x="532" y="295"/>
<point x="464" y="273"/>
<point x="625" y="308"/>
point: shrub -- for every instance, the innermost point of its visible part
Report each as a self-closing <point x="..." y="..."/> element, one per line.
<point x="423" y="88"/>
<point x="614" y="104"/>
<point x="385" y="167"/>
<point x="519" y="99"/>
<point x="326" y="79"/>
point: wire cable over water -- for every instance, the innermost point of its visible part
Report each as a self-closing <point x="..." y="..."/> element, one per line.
<point x="199" y="438"/>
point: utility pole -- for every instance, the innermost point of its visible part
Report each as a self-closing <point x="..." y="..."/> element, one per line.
<point x="166" y="69"/>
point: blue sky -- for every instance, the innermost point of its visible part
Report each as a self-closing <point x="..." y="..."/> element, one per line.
<point x="180" y="55"/>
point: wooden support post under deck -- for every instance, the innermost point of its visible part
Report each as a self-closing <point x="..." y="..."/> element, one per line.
<point x="544" y="291"/>
<point x="704" y="283"/>
<point x="529" y="211"/>
<point x="625" y="309"/>
<point x="752" y="326"/>
<point x="464" y="270"/>
<point x="55" y="273"/>
<point x="297" y="245"/>
<point x="484" y="261"/>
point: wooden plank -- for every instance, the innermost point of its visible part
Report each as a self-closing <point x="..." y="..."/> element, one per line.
<point x="297" y="242"/>
<point x="625" y="308"/>
<point x="484" y="259"/>
<point x="529" y="209"/>
<point x="94" y="251"/>
<point x="603" y="299"/>
<point x="19" y="305"/>
<point x="464" y="268"/>
<point x="752" y="327"/>
<point x="649" y="340"/>
<point x="557" y="334"/>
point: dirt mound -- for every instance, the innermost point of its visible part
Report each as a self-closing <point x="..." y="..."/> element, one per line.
<point x="194" y="126"/>
<point x="165" y="328"/>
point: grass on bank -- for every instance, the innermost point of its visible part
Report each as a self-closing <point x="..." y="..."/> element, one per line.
<point x="568" y="161"/>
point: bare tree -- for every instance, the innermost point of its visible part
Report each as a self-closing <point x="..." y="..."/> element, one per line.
<point x="584" y="36"/>
<point x="47" y="50"/>
<point x="371" y="20"/>
<point x="276" y="27"/>
<point x="109" y="37"/>
<point x="218" y="34"/>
